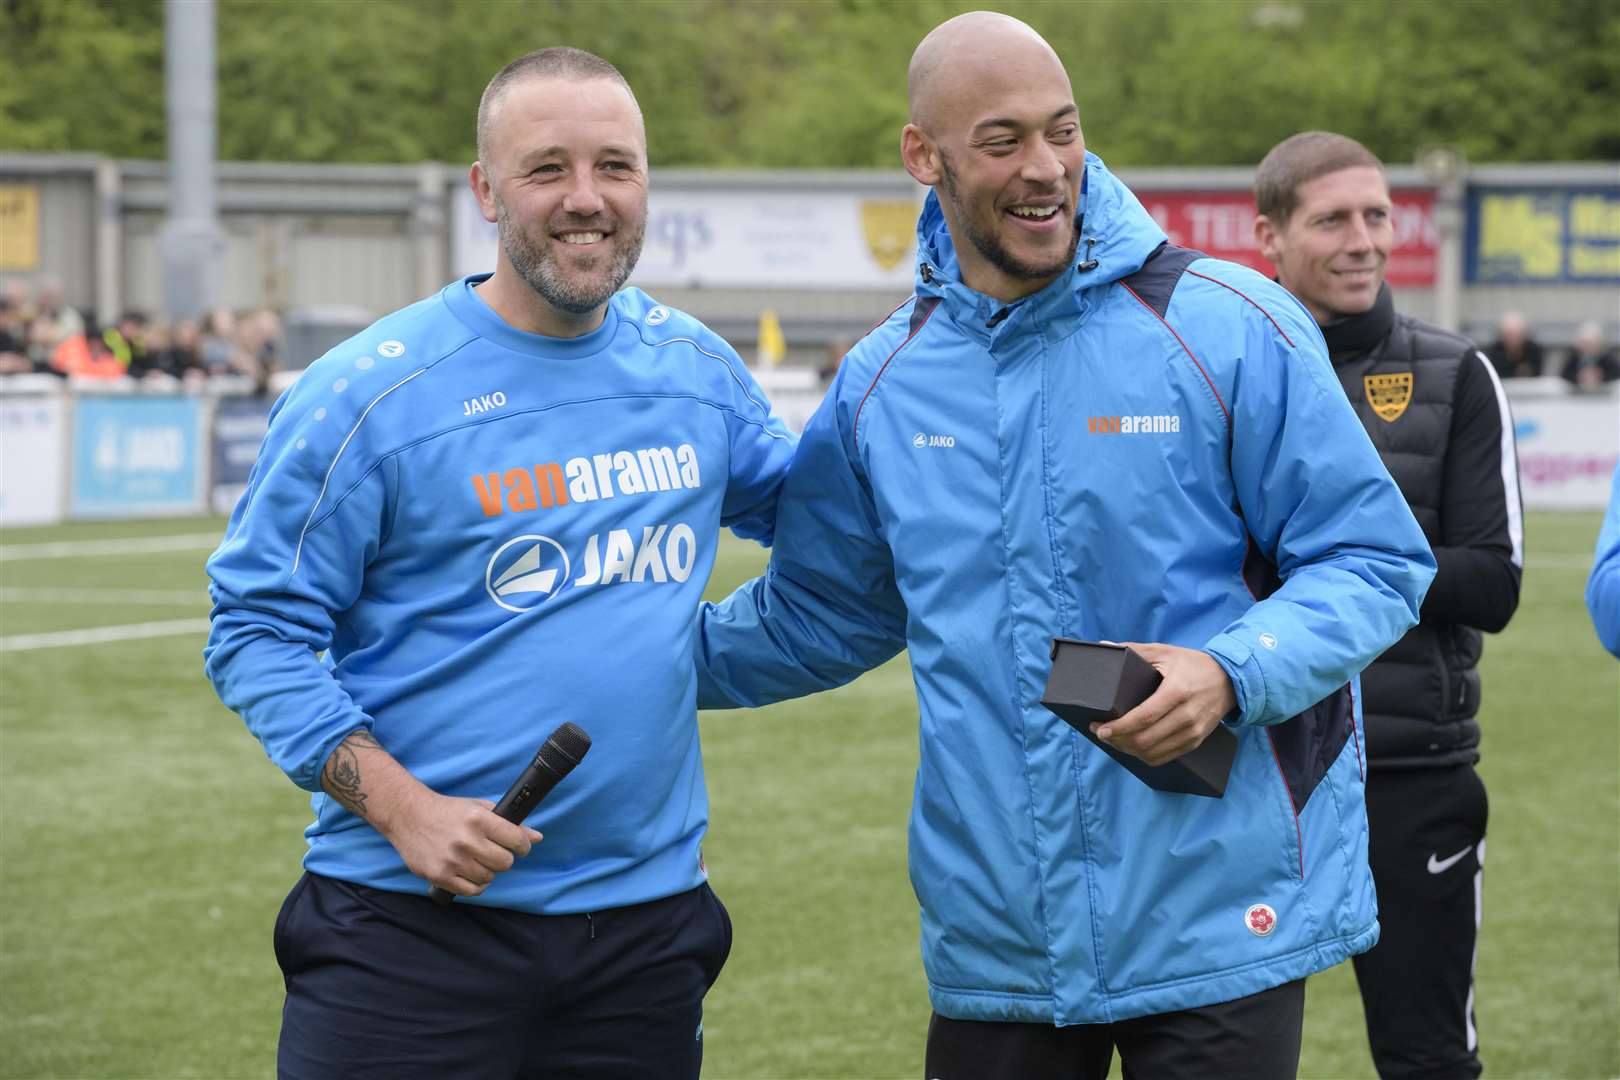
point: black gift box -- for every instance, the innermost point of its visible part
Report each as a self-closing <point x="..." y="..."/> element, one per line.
<point x="1093" y="683"/>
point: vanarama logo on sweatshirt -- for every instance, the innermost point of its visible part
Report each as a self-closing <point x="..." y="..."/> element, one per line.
<point x="586" y="479"/>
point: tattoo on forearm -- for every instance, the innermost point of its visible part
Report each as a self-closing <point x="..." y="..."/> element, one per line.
<point x="341" y="777"/>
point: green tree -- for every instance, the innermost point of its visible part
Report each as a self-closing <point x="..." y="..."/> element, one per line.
<point x="821" y="83"/>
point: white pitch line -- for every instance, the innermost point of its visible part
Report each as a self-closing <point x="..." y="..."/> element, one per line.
<point x="139" y="545"/>
<point x="103" y="597"/>
<point x="102" y="634"/>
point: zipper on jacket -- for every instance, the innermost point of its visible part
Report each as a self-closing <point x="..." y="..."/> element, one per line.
<point x="1089" y="263"/>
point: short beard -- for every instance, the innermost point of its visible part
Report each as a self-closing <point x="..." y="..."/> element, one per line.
<point x="989" y="246"/>
<point x="579" y="294"/>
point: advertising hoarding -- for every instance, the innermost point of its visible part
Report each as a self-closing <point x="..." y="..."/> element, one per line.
<point x="747" y="239"/>
<point x="239" y="427"/>
<point x="136" y="456"/>
<point x="1221" y="223"/>
<point x="33" y="446"/>
<point x="1544" y="236"/>
<point x="1568" y="447"/>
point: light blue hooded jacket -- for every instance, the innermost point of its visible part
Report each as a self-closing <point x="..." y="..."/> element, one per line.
<point x="1152" y="448"/>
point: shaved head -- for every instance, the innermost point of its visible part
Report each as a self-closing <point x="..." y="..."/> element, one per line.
<point x="962" y="48"/>
<point x="995" y="132"/>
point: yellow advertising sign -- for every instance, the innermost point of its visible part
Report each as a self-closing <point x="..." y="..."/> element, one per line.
<point x="19" y="227"/>
<point x="1523" y="231"/>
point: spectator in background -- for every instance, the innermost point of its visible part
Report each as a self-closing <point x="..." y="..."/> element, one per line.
<point x="258" y="338"/>
<point x="1590" y="365"/>
<point x="85" y="355"/>
<point x="151" y="362"/>
<point x="1438" y="417"/>
<point x="221" y="355"/>
<point x="181" y="354"/>
<point x="14" y="297"/>
<point x="13" y="334"/>
<point x="127" y="340"/>
<point x="60" y="320"/>
<point x="1514" y="353"/>
<point x="1603" y="587"/>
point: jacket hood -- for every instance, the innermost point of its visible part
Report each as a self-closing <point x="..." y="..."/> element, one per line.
<point x="1116" y="237"/>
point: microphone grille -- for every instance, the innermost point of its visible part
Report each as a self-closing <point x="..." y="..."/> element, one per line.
<point x="570" y="742"/>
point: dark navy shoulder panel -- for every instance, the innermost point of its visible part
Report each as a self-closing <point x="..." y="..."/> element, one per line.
<point x="919" y="314"/>
<point x="1158" y="277"/>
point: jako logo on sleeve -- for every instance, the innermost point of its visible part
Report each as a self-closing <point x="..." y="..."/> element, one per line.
<point x="1160" y="424"/>
<point x="586" y="479"/>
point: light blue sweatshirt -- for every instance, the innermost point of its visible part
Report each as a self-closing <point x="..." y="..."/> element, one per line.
<point x="488" y="533"/>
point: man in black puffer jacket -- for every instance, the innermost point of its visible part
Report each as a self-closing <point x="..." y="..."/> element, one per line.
<point x="1436" y="412"/>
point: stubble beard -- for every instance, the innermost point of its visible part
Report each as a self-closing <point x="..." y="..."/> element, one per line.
<point x="989" y="245"/>
<point x="577" y="293"/>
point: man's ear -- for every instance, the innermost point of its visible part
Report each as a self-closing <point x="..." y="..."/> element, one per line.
<point x="1268" y="236"/>
<point x="478" y="180"/>
<point x="919" y="155"/>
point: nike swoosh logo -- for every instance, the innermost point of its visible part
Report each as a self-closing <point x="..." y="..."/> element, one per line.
<point x="1440" y="866"/>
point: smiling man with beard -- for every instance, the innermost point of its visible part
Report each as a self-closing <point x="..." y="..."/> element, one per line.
<point x="1077" y="430"/>
<point x="492" y="512"/>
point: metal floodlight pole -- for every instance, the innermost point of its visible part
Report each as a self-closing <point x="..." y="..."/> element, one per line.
<point x="192" y="243"/>
<point x="1446" y="168"/>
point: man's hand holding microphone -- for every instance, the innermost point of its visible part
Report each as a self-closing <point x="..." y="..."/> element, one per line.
<point x="456" y="844"/>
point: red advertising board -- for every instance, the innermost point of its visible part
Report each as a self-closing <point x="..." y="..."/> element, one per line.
<point x="1221" y="223"/>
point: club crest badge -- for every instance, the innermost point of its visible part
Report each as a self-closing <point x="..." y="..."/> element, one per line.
<point x="1389" y="395"/>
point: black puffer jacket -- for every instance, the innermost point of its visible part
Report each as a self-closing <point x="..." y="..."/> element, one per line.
<point x="1435" y="410"/>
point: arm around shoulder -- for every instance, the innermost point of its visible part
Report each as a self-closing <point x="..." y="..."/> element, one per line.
<point x="827" y="607"/>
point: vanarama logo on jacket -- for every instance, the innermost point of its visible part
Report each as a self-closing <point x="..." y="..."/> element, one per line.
<point x="1162" y="424"/>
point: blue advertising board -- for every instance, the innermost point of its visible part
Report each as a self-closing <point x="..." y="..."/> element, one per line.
<point x="239" y="427"/>
<point x="136" y="456"/>
<point x="1544" y="235"/>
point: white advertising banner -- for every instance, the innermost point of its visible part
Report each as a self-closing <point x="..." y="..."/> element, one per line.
<point x="1568" y="447"/>
<point x="763" y="239"/>
<point x="33" y="449"/>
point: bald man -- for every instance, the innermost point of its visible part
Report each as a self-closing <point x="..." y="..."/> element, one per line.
<point x="1075" y="430"/>
<point x="493" y="512"/>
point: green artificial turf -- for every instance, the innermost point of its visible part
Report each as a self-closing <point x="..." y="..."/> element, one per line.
<point x="146" y="843"/>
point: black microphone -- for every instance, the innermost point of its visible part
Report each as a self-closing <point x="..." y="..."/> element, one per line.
<point x="562" y="750"/>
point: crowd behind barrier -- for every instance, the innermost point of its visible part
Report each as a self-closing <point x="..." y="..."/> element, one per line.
<point x="146" y="418"/>
<point x="41" y="334"/>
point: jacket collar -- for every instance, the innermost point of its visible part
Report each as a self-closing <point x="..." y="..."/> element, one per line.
<point x="1351" y="335"/>
<point x="1116" y="237"/>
